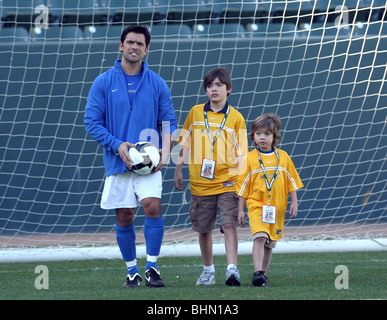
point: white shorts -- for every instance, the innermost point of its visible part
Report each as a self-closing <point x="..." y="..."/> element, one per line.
<point x="126" y="190"/>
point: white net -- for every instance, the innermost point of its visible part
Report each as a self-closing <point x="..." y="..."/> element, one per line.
<point x="320" y="65"/>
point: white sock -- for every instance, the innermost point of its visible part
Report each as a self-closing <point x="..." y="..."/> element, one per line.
<point x="132" y="266"/>
<point x="210" y="268"/>
<point x="231" y="265"/>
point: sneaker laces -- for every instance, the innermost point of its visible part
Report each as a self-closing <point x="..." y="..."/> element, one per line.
<point x="206" y="275"/>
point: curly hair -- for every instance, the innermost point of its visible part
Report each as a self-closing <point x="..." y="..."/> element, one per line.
<point x="270" y="122"/>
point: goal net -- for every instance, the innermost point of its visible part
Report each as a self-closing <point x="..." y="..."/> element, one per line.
<point x="320" y="65"/>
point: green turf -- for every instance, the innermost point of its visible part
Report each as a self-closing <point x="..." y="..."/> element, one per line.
<point x="292" y="276"/>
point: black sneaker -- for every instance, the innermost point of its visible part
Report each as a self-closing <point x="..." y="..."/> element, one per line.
<point x="260" y="279"/>
<point x="132" y="280"/>
<point x="266" y="281"/>
<point x="232" y="277"/>
<point x="153" y="279"/>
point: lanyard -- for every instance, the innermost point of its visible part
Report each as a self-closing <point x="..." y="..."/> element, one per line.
<point x="220" y="127"/>
<point x="269" y="185"/>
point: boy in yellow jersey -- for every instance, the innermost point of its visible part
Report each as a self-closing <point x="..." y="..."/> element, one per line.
<point x="267" y="177"/>
<point x="215" y="137"/>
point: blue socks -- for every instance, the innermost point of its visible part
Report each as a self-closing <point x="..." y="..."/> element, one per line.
<point x="126" y="239"/>
<point x="153" y="232"/>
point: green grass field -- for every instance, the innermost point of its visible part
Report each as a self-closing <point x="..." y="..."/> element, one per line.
<point x="292" y="276"/>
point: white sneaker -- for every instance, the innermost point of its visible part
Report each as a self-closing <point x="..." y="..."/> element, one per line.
<point x="206" y="278"/>
<point x="232" y="277"/>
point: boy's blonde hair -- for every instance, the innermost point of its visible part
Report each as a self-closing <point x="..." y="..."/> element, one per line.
<point x="270" y="122"/>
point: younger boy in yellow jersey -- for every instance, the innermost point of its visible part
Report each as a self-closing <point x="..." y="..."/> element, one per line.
<point x="214" y="134"/>
<point x="267" y="177"/>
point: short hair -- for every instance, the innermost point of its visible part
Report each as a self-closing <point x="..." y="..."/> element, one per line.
<point x="270" y="122"/>
<point x="221" y="74"/>
<point x="137" y="29"/>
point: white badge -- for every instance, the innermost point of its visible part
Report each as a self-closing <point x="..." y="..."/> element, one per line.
<point x="208" y="169"/>
<point x="269" y="214"/>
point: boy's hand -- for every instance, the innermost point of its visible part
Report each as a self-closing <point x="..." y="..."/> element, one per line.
<point x="178" y="180"/>
<point x="241" y="218"/>
<point x="293" y="210"/>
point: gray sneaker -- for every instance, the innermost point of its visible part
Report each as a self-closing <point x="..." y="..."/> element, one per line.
<point x="206" y="278"/>
<point x="232" y="277"/>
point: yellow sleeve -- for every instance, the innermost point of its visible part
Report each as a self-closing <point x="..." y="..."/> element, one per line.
<point x="243" y="184"/>
<point x="185" y="134"/>
<point x="241" y="132"/>
<point x="294" y="180"/>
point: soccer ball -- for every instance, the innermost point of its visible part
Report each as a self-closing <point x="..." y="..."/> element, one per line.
<point x="145" y="158"/>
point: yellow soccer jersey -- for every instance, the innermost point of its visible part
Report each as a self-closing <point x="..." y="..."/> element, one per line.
<point x="230" y="144"/>
<point x="251" y="185"/>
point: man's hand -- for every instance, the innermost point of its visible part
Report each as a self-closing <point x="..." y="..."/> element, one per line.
<point x="124" y="154"/>
<point x="167" y="143"/>
<point x="161" y="163"/>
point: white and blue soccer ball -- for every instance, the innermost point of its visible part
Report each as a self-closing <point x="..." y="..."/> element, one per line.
<point x="145" y="158"/>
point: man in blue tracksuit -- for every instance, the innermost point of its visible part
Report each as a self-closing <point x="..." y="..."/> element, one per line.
<point x="126" y="104"/>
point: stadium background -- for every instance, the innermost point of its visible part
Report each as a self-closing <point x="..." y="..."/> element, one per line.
<point x="329" y="90"/>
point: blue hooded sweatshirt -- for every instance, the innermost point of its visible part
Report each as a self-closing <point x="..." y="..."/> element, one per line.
<point x="111" y="119"/>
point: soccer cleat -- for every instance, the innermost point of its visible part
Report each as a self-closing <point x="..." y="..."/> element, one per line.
<point x="132" y="280"/>
<point x="260" y="279"/>
<point x="153" y="279"/>
<point x="232" y="277"/>
<point x="206" y="278"/>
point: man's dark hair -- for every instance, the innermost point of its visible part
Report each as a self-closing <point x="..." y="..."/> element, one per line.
<point x="137" y="29"/>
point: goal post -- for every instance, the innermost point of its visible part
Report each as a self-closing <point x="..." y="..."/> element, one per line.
<point x="320" y="65"/>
